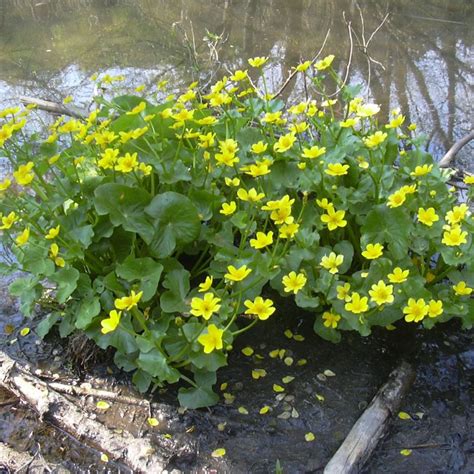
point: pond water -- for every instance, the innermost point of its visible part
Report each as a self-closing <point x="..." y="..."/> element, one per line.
<point x="421" y="59"/>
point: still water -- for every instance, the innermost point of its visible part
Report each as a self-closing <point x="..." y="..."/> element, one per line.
<point x="420" y="59"/>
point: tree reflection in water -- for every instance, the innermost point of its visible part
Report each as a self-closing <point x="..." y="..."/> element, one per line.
<point x="50" y="48"/>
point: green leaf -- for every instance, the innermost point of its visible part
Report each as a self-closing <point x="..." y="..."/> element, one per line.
<point x="345" y="248"/>
<point x="147" y="270"/>
<point x="306" y="301"/>
<point x="125" y="206"/>
<point x="87" y="311"/>
<point x="202" y="395"/>
<point x="176" y="221"/>
<point x="154" y="362"/>
<point x="46" y="324"/>
<point x="141" y="380"/>
<point x="329" y="334"/>
<point x="28" y="290"/>
<point x="66" y="279"/>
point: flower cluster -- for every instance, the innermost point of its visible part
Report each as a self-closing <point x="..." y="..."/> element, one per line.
<point x="169" y="228"/>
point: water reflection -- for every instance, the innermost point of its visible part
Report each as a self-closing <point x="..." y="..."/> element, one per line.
<point x="49" y="48"/>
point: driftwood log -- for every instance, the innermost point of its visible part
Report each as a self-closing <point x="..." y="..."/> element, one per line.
<point x="451" y="153"/>
<point x="139" y="454"/>
<point x="53" y="107"/>
<point x="371" y="426"/>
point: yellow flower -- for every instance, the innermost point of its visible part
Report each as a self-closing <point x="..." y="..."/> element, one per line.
<point x="138" y="109"/>
<point x="303" y="66"/>
<point x="203" y="287"/>
<point x="396" y="122"/>
<point x="357" y="304"/>
<point x="457" y="214"/>
<point x="145" y="169"/>
<point x="263" y="240"/>
<point x="422" y="170"/>
<point x="237" y="274"/>
<point x="127" y="163"/>
<point x="350" y="122"/>
<point x="299" y="127"/>
<point x="427" y="216"/>
<point x="53" y="233"/>
<point x="373" y="141"/>
<point x="435" y="308"/>
<point x="232" y="182"/>
<point x="294" y="282"/>
<point x="128" y="302"/>
<point x="336" y="169"/>
<point x="285" y="142"/>
<point x="415" y="310"/>
<point x="313" y="152"/>
<point x="461" y="289"/>
<point x="396" y="199"/>
<point x="110" y="324"/>
<point x="324" y="63"/>
<point x="324" y="204"/>
<point x="205" y="306"/>
<point x="288" y="231"/>
<point x="8" y="221"/>
<point x="212" y="340"/>
<point x="228" y="208"/>
<point x="272" y="117"/>
<point x="54" y="254"/>
<point x="259" y="307"/>
<point x="23" y="174"/>
<point x="260" y="168"/>
<point x="207" y="140"/>
<point x="469" y="180"/>
<point x="259" y="147"/>
<point x="381" y="293"/>
<point x="454" y="236"/>
<point x="239" y="76"/>
<point x="334" y="219"/>
<point x="5" y="184"/>
<point x="109" y="158"/>
<point x="258" y="61"/>
<point x="251" y="195"/>
<point x="365" y="110"/>
<point x="343" y="292"/>
<point x="373" y="251"/>
<point x="22" y="238"/>
<point x="398" y="275"/>
<point x="330" y="319"/>
<point x="331" y="262"/>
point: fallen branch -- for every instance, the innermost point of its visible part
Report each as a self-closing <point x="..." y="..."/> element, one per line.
<point x="52" y="107"/>
<point x="138" y="454"/>
<point x="371" y="426"/>
<point x="452" y="152"/>
<point x="84" y="389"/>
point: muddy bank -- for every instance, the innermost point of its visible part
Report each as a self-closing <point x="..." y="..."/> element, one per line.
<point x="312" y="387"/>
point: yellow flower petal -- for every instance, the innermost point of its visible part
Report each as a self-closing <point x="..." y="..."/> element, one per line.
<point x="153" y="422"/>
<point x="101" y="404"/>
<point x="309" y="437"/>
<point x="405" y="452"/>
<point x="218" y="453"/>
<point x="248" y="351"/>
<point x="404" y="416"/>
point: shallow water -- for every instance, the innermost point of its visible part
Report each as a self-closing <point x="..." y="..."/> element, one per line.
<point x="421" y="59"/>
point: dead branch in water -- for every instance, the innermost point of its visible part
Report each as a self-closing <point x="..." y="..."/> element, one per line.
<point x="452" y="152"/>
<point x="139" y="455"/>
<point x="52" y="107"/>
<point x="371" y="426"/>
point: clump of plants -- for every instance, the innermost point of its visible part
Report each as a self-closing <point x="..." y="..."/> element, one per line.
<point x="165" y="226"/>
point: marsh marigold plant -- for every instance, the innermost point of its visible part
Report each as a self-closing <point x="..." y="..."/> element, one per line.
<point x="167" y="228"/>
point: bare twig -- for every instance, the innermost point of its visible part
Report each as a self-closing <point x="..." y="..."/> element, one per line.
<point x="451" y="153"/>
<point x="52" y="107"/>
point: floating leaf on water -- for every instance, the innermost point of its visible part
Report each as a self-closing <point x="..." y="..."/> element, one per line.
<point x="264" y="410"/>
<point x="218" y="453"/>
<point x="404" y="416"/>
<point x="247" y="351"/>
<point x="102" y="405"/>
<point x="287" y="379"/>
<point x="153" y="422"/>
<point x="329" y="373"/>
<point x="405" y="452"/>
<point x="309" y="437"/>
<point x="278" y="388"/>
